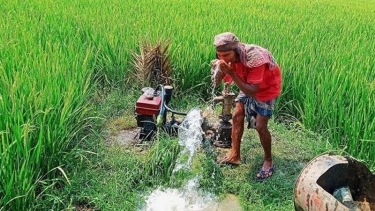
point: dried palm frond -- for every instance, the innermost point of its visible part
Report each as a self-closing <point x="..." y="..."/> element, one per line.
<point x="152" y="66"/>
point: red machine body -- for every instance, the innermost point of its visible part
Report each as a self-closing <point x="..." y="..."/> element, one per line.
<point x="148" y="106"/>
<point x="151" y="111"/>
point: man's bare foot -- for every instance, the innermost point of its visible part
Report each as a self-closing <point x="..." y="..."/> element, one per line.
<point x="229" y="161"/>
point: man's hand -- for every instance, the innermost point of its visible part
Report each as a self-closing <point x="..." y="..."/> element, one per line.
<point x="214" y="66"/>
<point x="220" y="65"/>
<point x="226" y="67"/>
<point x="216" y="74"/>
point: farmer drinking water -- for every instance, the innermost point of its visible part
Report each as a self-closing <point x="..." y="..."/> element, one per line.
<point x="255" y="72"/>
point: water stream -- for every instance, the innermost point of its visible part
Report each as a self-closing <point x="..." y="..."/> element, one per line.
<point x="209" y="112"/>
<point x="214" y="75"/>
<point x="190" y="137"/>
<point x="188" y="197"/>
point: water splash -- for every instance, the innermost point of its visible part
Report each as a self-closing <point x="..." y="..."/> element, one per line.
<point x="189" y="197"/>
<point x="217" y="68"/>
<point x="209" y="112"/>
<point x="190" y="136"/>
<point x="214" y="75"/>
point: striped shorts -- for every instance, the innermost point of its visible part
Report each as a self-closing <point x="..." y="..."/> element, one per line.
<point x="254" y="106"/>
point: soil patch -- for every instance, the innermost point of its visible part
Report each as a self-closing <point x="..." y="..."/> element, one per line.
<point x="126" y="138"/>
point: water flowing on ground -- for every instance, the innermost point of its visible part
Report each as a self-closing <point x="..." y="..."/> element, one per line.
<point x="188" y="197"/>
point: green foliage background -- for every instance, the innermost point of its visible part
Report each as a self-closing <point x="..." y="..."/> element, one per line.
<point x="52" y="53"/>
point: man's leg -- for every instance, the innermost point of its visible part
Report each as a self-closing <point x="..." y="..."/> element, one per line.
<point x="265" y="139"/>
<point x="237" y="131"/>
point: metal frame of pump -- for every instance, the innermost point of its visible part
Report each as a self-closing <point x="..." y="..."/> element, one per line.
<point x="151" y="112"/>
<point x="223" y="136"/>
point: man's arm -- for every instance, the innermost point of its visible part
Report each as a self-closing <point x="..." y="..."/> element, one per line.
<point x="251" y="86"/>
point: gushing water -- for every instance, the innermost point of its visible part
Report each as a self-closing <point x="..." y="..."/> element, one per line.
<point x="209" y="111"/>
<point x="217" y="67"/>
<point x="214" y="75"/>
<point x="190" y="136"/>
<point x="189" y="197"/>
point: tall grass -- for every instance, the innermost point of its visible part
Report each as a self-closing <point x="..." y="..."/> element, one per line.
<point x="50" y="50"/>
<point x="44" y="88"/>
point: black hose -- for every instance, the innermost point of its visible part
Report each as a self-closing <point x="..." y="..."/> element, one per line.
<point x="173" y="111"/>
<point x="160" y="120"/>
<point x="163" y="107"/>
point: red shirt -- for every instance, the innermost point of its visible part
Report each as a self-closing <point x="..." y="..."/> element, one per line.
<point x="269" y="80"/>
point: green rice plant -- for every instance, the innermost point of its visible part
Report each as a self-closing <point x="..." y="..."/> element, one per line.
<point x="113" y="179"/>
<point x="211" y="175"/>
<point x="52" y="53"/>
<point x="162" y="159"/>
<point x="44" y="108"/>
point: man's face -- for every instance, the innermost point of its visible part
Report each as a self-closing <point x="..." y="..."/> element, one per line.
<point x="227" y="56"/>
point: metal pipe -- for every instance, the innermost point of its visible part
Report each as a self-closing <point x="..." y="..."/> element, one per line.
<point x="173" y="111"/>
<point x="160" y="118"/>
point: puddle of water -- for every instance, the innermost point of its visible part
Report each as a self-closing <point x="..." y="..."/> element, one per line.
<point x="188" y="198"/>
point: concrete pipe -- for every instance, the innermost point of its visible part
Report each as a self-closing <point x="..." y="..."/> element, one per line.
<point x="333" y="182"/>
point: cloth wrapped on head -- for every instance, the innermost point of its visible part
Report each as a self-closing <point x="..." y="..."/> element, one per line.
<point x="226" y="41"/>
<point x="249" y="54"/>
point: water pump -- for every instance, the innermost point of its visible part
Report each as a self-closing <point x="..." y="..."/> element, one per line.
<point x="151" y="112"/>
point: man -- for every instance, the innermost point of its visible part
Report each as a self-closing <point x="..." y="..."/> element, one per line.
<point x="258" y="77"/>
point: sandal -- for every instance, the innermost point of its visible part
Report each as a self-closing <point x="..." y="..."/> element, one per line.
<point x="264" y="174"/>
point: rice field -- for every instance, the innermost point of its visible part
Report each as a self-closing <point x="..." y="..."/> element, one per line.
<point x="54" y="54"/>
